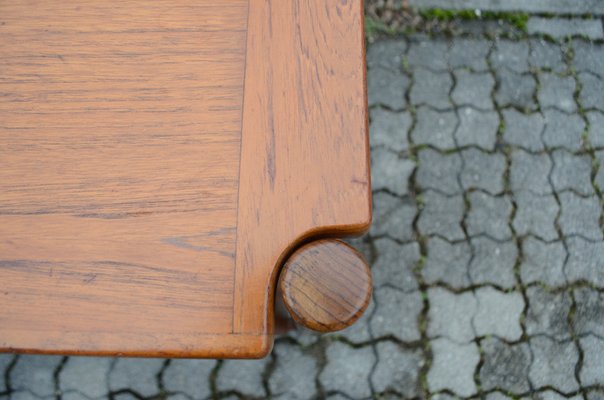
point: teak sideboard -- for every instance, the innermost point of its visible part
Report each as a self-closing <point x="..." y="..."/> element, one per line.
<point x="160" y="161"/>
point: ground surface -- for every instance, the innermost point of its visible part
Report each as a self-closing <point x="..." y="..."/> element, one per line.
<point x="487" y="246"/>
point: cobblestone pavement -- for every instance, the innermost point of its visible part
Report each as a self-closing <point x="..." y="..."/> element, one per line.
<point x="487" y="245"/>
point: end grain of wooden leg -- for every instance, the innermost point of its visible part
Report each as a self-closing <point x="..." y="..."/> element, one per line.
<point x="326" y="285"/>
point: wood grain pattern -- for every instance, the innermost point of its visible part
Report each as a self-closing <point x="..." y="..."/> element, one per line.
<point x="326" y="285"/>
<point x="158" y="161"/>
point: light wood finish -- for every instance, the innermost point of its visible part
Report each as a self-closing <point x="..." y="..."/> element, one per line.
<point x="326" y="285"/>
<point x="158" y="160"/>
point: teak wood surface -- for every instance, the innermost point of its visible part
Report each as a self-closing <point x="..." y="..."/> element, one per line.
<point x="160" y="160"/>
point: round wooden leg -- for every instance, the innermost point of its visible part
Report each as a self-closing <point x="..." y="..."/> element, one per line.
<point x="326" y="285"/>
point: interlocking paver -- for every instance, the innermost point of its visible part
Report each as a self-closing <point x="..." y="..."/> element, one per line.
<point x="493" y="262"/>
<point x="431" y="88"/>
<point x="557" y="92"/>
<point x="563" y="130"/>
<point x="393" y="216"/>
<point x="460" y="380"/>
<point x="593" y="361"/>
<point x="588" y="57"/>
<point x="589" y="313"/>
<point x="498" y="313"/>
<point x="435" y="128"/>
<point x="389" y="129"/>
<point x="585" y="261"/>
<point x="511" y="54"/>
<point x="572" y="172"/>
<point x="450" y="315"/>
<point x="554" y="364"/>
<point x="516" y="90"/>
<point x="245" y="376"/>
<point x="387" y="54"/>
<point x="189" y="377"/>
<point x="86" y="376"/>
<point x="469" y="53"/>
<point x="441" y="215"/>
<point x="138" y="375"/>
<point x="439" y="171"/>
<point x="523" y="130"/>
<point x="580" y="216"/>
<point x="387" y="88"/>
<point x="592" y="91"/>
<point x="543" y="262"/>
<point x="347" y="370"/>
<point x="595" y="131"/>
<point x="505" y="366"/>
<point x="477" y="128"/>
<point x="536" y="214"/>
<point x="396" y="314"/>
<point x="599" y="178"/>
<point x="294" y="374"/>
<point x="473" y="89"/>
<point x="397" y="369"/>
<point x="548" y="313"/>
<point x="530" y="172"/>
<point x="390" y="171"/>
<point x="6" y="361"/>
<point x="482" y="170"/>
<point x="447" y="262"/>
<point x="545" y="55"/>
<point x="35" y="374"/>
<point x="394" y="264"/>
<point x="425" y="53"/>
<point x="489" y="215"/>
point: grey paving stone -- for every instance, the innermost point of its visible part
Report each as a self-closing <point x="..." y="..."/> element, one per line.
<point x="128" y="396"/>
<point x="447" y="262"/>
<point x="572" y="172"/>
<point x="189" y="377"/>
<point x="86" y="375"/>
<point x="551" y="395"/>
<point x="431" y="88"/>
<point x="245" y="376"/>
<point x="588" y="57"/>
<point x="595" y="120"/>
<point x="580" y="216"/>
<point x="67" y="396"/>
<point x="35" y="374"/>
<point x="347" y="370"/>
<point x="505" y="367"/>
<point x="498" y="313"/>
<point x="386" y="54"/>
<point x="393" y="216"/>
<point x="445" y="354"/>
<point x="435" y="128"/>
<point x="389" y="129"/>
<point x="483" y="171"/>
<point x="137" y="374"/>
<point x="530" y="172"/>
<point x="563" y="130"/>
<point x="390" y="172"/>
<point x="397" y="370"/>
<point x="536" y="214"/>
<point x="548" y="313"/>
<point x="592" y="91"/>
<point x="542" y="262"/>
<point x="589" y="313"/>
<point x="585" y="261"/>
<point x="554" y="364"/>
<point x="599" y="178"/>
<point x="534" y="6"/>
<point x="439" y="171"/>
<point x="294" y="374"/>
<point x="512" y="55"/>
<point x="469" y="53"/>
<point x="545" y="55"/>
<point x="5" y="361"/>
<point x="450" y="315"/>
<point x="562" y="28"/>
<point x="473" y="89"/>
<point x="497" y="396"/>
<point x="394" y="264"/>
<point x="478" y="128"/>
<point x="396" y="314"/>
<point x="306" y="337"/>
<point x="493" y="262"/>
<point x="557" y="92"/>
<point x="516" y="90"/>
<point x="489" y="215"/>
<point x="523" y="130"/>
<point x="593" y="360"/>
<point x="387" y="88"/>
<point x="441" y="215"/>
<point x="426" y="53"/>
<point x="595" y="395"/>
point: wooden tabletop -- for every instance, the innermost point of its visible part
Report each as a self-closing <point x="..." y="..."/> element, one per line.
<point x="159" y="161"/>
